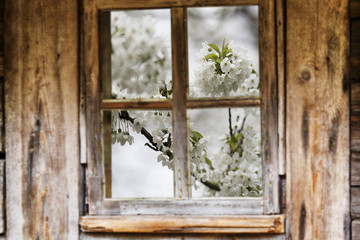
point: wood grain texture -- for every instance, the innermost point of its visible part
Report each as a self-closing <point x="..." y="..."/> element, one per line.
<point x="2" y="2"/>
<point x="41" y="104"/>
<point x="2" y="118"/>
<point x="355" y="84"/>
<point x="190" y="207"/>
<point x="180" y="94"/>
<point x="91" y="89"/>
<point x="181" y="224"/>
<point x="355" y="169"/>
<point x="112" y="104"/>
<point x="355" y="51"/>
<point x="173" y="236"/>
<point x="2" y="196"/>
<point x="269" y="114"/>
<point x="354" y="8"/>
<point x="280" y="47"/>
<point x="317" y="122"/>
<point x="355" y="230"/>
<point x="129" y="4"/>
<point x="106" y="86"/>
<point x="355" y="202"/>
<point x="222" y="102"/>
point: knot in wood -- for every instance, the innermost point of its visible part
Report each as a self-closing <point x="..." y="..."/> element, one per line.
<point x="305" y="75"/>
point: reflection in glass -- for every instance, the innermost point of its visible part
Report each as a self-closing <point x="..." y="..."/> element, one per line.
<point x="141" y="154"/>
<point x="225" y="149"/>
<point x="223" y="51"/>
<point x="141" y="54"/>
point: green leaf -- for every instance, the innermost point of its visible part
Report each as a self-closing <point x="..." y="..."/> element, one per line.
<point x="215" y="47"/>
<point x="196" y="136"/>
<point x="209" y="162"/>
<point x="211" y="56"/>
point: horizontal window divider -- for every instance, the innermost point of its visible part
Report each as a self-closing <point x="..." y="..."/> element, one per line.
<point x="184" y="224"/>
<point x="214" y="206"/>
<point x="112" y="104"/>
<point x="131" y="4"/>
<point x="223" y="102"/>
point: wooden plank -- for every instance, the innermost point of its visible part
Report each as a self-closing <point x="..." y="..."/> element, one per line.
<point x="355" y="130"/>
<point x="355" y="202"/>
<point x="355" y="230"/>
<point x="317" y="120"/>
<point x="355" y="51"/>
<point x="105" y="71"/>
<point x="90" y="72"/>
<point x="222" y="102"/>
<point x="112" y="104"/>
<point x="2" y="196"/>
<point x="269" y="114"/>
<point x="2" y="38"/>
<point x="173" y="236"/>
<point x="354" y="8"/>
<point x="355" y="96"/>
<point x="355" y="169"/>
<point x="181" y="224"/>
<point x="250" y="206"/>
<point x="41" y="104"/>
<point x="280" y="50"/>
<point x="2" y="117"/>
<point x="181" y="88"/>
<point x="129" y="4"/>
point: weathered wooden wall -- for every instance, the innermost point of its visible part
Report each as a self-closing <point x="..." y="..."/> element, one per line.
<point x="355" y="115"/>
<point x="42" y="122"/>
<point x="2" y="125"/>
<point x="41" y="104"/>
<point x="317" y="119"/>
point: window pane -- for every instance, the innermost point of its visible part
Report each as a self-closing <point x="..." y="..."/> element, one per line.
<point x="223" y="51"/>
<point x="141" y="154"/>
<point x="141" y="54"/>
<point x="225" y="150"/>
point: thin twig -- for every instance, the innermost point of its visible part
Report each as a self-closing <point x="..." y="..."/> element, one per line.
<point x="125" y="115"/>
<point x="230" y="124"/>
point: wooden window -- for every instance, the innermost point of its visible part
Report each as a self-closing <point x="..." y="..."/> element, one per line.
<point x="233" y="215"/>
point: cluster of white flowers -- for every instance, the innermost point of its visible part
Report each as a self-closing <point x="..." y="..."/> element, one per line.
<point x="141" y="61"/>
<point x="224" y="72"/>
<point x="120" y="130"/>
<point x="141" y="67"/>
<point x="240" y="172"/>
<point x="156" y="123"/>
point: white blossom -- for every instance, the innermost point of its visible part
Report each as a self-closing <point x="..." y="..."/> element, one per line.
<point x="141" y="61"/>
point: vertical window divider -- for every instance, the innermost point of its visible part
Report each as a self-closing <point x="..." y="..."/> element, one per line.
<point x="105" y="78"/>
<point x="180" y="93"/>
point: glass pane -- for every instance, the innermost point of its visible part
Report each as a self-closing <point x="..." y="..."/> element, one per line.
<point x="141" y="153"/>
<point x="141" y="54"/>
<point x="225" y="150"/>
<point x="223" y="51"/>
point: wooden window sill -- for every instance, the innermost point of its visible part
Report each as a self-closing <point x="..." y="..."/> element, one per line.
<point x="184" y="224"/>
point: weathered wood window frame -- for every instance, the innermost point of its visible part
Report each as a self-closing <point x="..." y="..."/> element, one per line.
<point x="235" y="216"/>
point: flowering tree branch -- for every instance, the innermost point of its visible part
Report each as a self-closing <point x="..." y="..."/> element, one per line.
<point x="124" y="115"/>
